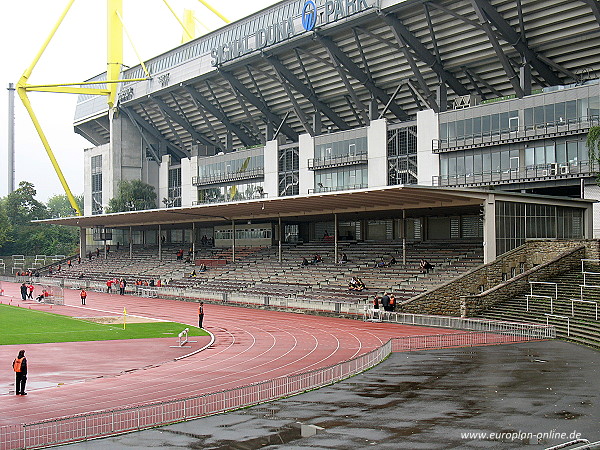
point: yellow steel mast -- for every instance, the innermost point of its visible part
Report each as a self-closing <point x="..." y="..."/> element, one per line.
<point x="115" y="29"/>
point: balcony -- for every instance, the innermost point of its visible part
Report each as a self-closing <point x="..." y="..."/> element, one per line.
<point x="337" y="161"/>
<point x="542" y="172"/>
<point x="516" y="134"/>
<point x="228" y="177"/>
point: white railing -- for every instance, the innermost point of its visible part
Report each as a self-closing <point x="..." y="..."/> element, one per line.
<point x="86" y="426"/>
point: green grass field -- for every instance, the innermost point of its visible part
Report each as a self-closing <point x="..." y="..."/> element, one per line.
<point x="28" y="326"/>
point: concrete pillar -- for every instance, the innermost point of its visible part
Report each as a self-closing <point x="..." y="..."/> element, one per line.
<point x="489" y="229"/>
<point x="82" y="242"/>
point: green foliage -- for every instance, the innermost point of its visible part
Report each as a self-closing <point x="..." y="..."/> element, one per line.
<point x="133" y="195"/>
<point x="22" y="207"/>
<point x="59" y="205"/>
<point x="593" y="143"/>
<point x="19" y="236"/>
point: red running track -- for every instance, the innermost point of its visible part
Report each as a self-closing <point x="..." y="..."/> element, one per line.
<point x="250" y="346"/>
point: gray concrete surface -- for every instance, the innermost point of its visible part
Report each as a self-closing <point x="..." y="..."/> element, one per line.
<point x="530" y="395"/>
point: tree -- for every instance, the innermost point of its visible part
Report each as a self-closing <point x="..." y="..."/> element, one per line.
<point x="132" y="195"/>
<point x="22" y="207"/>
<point x="59" y="205"/>
<point x="593" y="143"/>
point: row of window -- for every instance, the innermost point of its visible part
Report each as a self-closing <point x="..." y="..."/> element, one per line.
<point x="495" y="160"/>
<point x="516" y="222"/>
<point x="244" y="233"/>
<point x="550" y="114"/>
<point x="341" y="178"/>
<point x="234" y="192"/>
<point x="349" y="147"/>
<point x="221" y="168"/>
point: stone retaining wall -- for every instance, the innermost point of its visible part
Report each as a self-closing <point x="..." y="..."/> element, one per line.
<point x="506" y="277"/>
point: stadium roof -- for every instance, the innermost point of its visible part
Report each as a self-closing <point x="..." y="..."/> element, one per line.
<point x="400" y="55"/>
<point x="383" y="202"/>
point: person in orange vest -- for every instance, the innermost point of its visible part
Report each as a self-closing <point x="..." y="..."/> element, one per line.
<point x="20" y="368"/>
<point x="200" y="314"/>
<point x="392" y="303"/>
<point x="83" y="296"/>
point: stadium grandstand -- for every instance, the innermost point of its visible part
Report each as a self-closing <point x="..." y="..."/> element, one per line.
<point x="375" y="129"/>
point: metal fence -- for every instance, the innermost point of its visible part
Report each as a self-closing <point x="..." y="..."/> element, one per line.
<point x="122" y="420"/>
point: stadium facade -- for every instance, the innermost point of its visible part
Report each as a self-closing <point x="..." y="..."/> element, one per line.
<point x="308" y="106"/>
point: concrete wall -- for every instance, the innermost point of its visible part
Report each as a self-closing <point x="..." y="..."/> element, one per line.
<point x="541" y="260"/>
<point x="428" y="163"/>
<point x="377" y="151"/>
<point x="306" y="151"/>
<point x="271" y="180"/>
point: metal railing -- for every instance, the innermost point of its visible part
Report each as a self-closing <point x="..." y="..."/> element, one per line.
<point x="337" y="161"/>
<point x="97" y="424"/>
<point x="228" y="177"/>
<point x="572" y="169"/>
<point x="320" y="189"/>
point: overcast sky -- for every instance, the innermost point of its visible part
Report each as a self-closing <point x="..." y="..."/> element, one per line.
<point x="77" y="52"/>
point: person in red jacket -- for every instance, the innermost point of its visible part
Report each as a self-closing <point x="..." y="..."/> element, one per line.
<point x="20" y="368"/>
<point x="83" y="296"/>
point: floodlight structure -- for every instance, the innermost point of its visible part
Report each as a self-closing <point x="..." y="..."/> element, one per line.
<point x="114" y="64"/>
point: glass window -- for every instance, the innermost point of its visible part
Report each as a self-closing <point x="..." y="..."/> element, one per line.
<point x="528" y="116"/>
<point x="487" y="163"/>
<point x="460" y="128"/>
<point x="538" y="115"/>
<point x="478" y="163"/>
<point x="560" y="112"/>
<point x="451" y="130"/>
<point x="561" y="153"/>
<point x="460" y="165"/>
<point x="496" y="162"/>
<point x="469" y="164"/>
<point x="594" y="107"/>
<point x="550" y="156"/>
<point x="443" y="131"/>
<point x="468" y="127"/>
<point x="495" y="118"/>
<point x="444" y="167"/>
<point x="529" y="157"/>
<point x="504" y="121"/>
<point x="549" y="113"/>
<point x="583" y="151"/>
<point x="572" y="151"/>
<point x="540" y="155"/>
<point x="476" y="125"/>
<point x="485" y="124"/>
<point x="452" y="167"/>
<point x="571" y="110"/>
<point x="505" y="160"/>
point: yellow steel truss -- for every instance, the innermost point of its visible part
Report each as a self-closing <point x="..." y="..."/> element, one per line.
<point x="113" y="71"/>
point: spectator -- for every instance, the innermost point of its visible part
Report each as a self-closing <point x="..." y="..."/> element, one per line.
<point x="425" y="266"/>
<point x="304" y="262"/>
<point x="343" y="259"/>
<point x="392" y="261"/>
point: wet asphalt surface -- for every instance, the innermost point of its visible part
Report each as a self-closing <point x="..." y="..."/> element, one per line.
<point x="531" y="395"/>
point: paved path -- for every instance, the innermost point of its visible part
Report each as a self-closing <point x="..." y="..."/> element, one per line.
<point x="250" y="346"/>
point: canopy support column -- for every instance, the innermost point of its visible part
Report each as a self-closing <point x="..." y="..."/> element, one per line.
<point x="159" y="244"/>
<point x="280" y="258"/>
<point x="335" y="238"/>
<point x="232" y="240"/>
